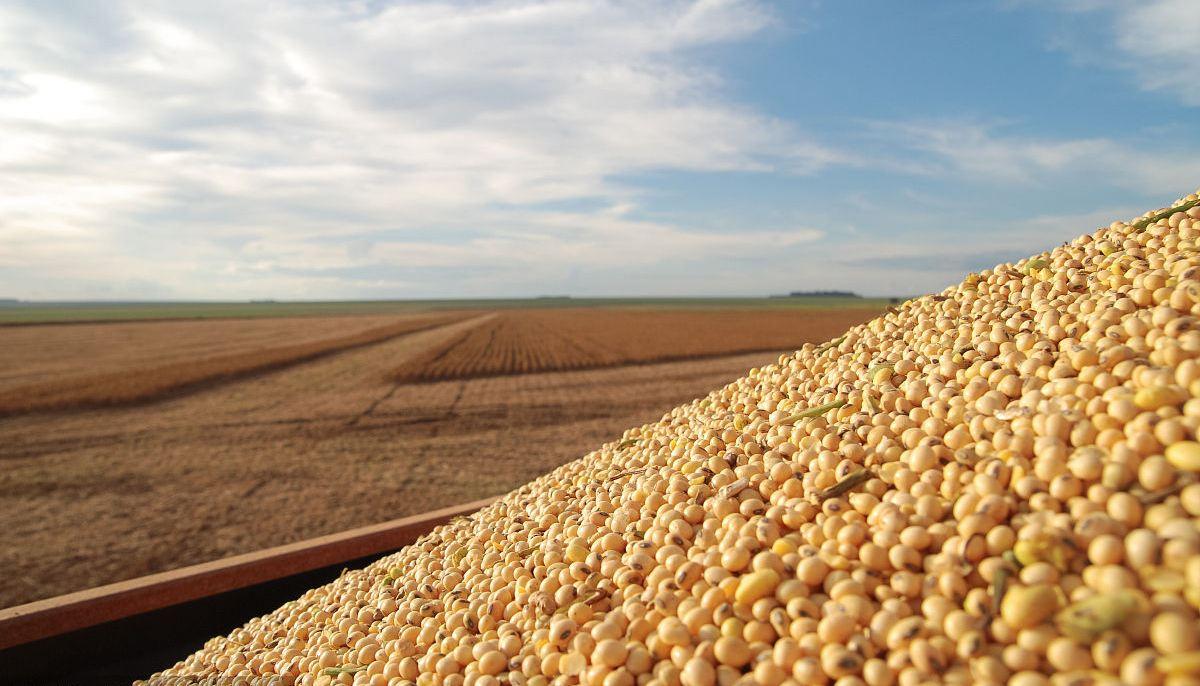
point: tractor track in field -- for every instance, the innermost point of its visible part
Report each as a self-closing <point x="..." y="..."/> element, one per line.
<point x="451" y="411"/>
<point x="354" y="421"/>
<point x="396" y="385"/>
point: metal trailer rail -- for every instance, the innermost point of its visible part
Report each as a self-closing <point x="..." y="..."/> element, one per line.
<point x="116" y="633"/>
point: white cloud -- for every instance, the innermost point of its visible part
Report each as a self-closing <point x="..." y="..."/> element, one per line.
<point x="590" y="241"/>
<point x="183" y="142"/>
<point x="1154" y="40"/>
<point x="1161" y="37"/>
<point x="985" y="152"/>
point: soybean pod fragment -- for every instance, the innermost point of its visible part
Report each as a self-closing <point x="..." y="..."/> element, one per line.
<point x="814" y="411"/>
<point x="1165" y="214"/>
<point x="848" y="483"/>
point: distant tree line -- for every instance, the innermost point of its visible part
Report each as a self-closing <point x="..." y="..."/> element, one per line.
<point x="819" y="294"/>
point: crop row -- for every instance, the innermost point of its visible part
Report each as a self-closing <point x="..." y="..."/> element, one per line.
<point x="524" y="341"/>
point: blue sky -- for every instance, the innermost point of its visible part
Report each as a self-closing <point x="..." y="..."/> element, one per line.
<point x="327" y="150"/>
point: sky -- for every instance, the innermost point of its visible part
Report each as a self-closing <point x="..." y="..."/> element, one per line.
<point x="366" y="149"/>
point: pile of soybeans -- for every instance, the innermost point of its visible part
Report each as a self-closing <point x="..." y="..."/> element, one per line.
<point x="995" y="484"/>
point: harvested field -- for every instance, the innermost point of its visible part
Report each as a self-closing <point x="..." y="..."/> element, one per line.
<point x="523" y="341"/>
<point x="328" y="439"/>
<point x="316" y="448"/>
<point x="58" y="367"/>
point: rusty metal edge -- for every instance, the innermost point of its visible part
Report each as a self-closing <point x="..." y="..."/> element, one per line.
<point x="73" y="611"/>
